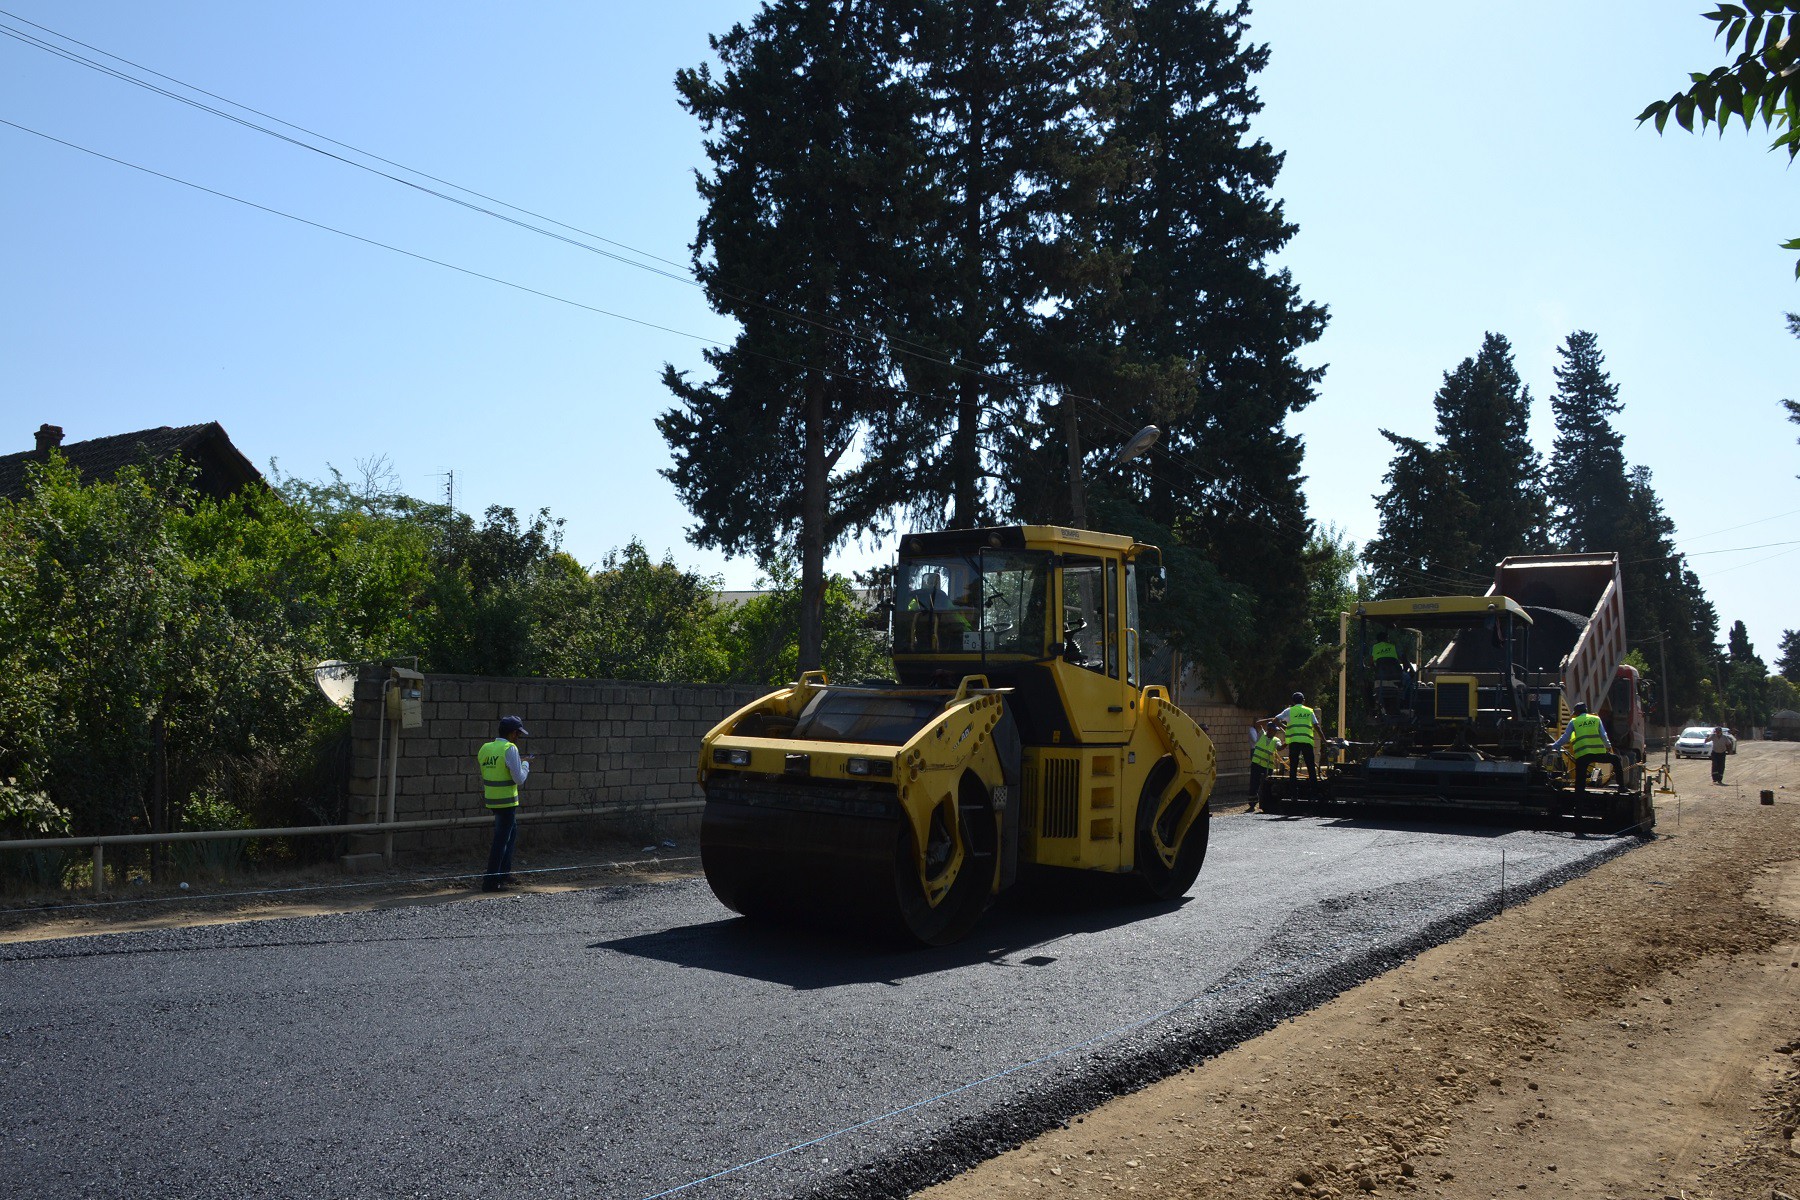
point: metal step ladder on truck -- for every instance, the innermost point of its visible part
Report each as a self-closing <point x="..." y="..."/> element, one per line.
<point x="1461" y="716"/>
<point x="1018" y="730"/>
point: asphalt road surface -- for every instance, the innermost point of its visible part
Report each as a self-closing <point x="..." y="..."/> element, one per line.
<point x="643" y="1041"/>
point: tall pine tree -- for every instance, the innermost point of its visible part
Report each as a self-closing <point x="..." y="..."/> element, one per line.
<point x="1195" y="329"/>
<point x="812" y="142"/>
<point x="1789" y="662"/>
<point x="1746" y="679"/>
<point x="1483" y="415"/>
<point x="1664" y="599"/>
<point x="1005" y="138"/>
<point x="1424" y="522"/>
<point x="1588" y="483"/>
<point x="1452" y="511"/>
<point x="1604" y="505"/>
<point x="961" y="236"/>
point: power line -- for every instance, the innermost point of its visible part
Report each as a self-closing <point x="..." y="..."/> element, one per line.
<point x="1745" y="525"/>
<point x="438" y="262"/>
<point x="891" y="343"/>
<point x="918" y="350"/>
<point x="1457" y="586"/>
<point x="39" y="43"/>
<point x="714" y="342"/>
<point x="1726" y="550"/>
<point x="1753" y="562"/>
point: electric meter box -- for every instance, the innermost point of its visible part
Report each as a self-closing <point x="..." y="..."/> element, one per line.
<point x="406" y="697"/>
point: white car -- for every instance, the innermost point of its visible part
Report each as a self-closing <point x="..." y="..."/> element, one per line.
<point x="1696" y="742"/>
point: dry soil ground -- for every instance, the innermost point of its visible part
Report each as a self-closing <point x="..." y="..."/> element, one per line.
<point x="1635" y="1033"/>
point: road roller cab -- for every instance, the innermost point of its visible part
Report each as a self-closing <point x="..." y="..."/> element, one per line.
<point x="1018" y="731"/>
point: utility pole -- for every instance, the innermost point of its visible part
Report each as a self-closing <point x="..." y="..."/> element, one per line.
<point x="1724" y="701"/>
<point x="1343" y="669"/>
<point x="1136" y="446"/>
<point x="1662" y="654"/>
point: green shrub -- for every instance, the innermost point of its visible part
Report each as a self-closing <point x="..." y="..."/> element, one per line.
<point x="26" y="815"/>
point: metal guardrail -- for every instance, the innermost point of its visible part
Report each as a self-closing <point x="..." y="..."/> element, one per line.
<point x="99" y="842"/>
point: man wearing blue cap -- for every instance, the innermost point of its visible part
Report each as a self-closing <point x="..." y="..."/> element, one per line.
<point x="503" y="769"/>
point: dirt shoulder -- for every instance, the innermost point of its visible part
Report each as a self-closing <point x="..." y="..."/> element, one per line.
<point x="1634" y="1033"/>
<point x="326" y="889"/>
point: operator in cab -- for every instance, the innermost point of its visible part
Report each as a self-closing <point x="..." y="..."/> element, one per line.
<point x="1385" y="655"/>
<point x="1389" y="668"/>
<point x="935" y="622"/>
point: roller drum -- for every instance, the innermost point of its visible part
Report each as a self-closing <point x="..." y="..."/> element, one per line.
<point x="826" y="855"/>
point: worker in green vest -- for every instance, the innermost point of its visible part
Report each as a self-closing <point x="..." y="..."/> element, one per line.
<point x="1588" y="744"/>
<point x="1265" y="756"/>
<point x="503" y="769"/>
<point x="1384" y="651"/>
<point x="1300" y="729"/>
<point x="1389" y="669"/>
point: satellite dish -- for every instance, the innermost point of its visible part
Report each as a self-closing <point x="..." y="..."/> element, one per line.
<point x="337" y="679"/>
<point x="1140" y="442"/>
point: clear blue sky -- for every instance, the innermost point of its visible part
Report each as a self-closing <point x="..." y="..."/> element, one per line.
<point x="1474" y="169"/>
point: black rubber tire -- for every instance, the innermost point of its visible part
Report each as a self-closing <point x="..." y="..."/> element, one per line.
<point x="915" y="920"/>
<point x="1158" y="880"/>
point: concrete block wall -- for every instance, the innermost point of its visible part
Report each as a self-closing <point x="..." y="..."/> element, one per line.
<point x="605" y="746"/>
<point x="1229" y="728"/>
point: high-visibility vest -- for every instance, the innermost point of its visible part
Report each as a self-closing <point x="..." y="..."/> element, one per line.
<point x="1267" y="751"/>
<point x="1300" y="722"/>
<point x="497" y="784"/>
<point x="1385" y="650"/>
<point x="1587" y="738"/>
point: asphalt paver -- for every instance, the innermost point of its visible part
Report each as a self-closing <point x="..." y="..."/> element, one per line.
<point x="643" y="1041"/>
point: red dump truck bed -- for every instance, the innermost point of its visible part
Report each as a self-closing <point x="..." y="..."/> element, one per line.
<point x="1584" y="596"/>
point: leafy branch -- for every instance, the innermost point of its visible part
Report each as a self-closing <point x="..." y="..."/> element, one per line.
<point x="1762" y="81"/>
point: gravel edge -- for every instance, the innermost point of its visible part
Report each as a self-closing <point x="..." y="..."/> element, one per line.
<point x="970" y="1141"/>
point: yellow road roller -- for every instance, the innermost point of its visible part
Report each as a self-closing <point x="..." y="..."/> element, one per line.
<point x="1018" y="730"/>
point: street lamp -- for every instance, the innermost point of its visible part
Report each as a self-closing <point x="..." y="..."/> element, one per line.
<point x="1135" y="447"/>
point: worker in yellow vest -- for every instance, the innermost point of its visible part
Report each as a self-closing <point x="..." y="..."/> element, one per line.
<point x="1588" y="744"/>
<point x="1385" y="651"/>
<point x="1300" y="729"/>
<point x="503" y="769"/>
<point x="1265" y="755"/>
<point x="1389" y="669"/>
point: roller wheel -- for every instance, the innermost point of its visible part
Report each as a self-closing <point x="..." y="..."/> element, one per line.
<point x="1167" y="868"/>
<point x="919" y="920"/>
<point x="857" y="873"/>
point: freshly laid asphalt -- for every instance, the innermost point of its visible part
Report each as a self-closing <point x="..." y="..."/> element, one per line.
<point x="643" y="1041"/>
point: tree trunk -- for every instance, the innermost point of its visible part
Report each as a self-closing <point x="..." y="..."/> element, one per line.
<point x="965" y="459"/>
<point x="966" y="456"/>
<point x="812" y="529"/>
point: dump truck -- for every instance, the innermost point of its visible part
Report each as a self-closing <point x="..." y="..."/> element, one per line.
<point x="1460" y="720"/>
<point x="1018" y="731"/>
